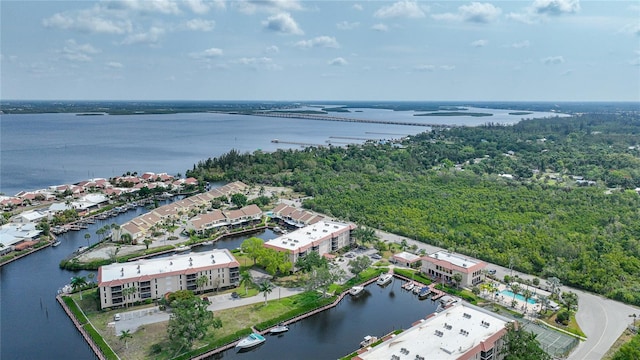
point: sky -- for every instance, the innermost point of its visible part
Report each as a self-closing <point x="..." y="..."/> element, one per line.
<point x="535" y="50"/>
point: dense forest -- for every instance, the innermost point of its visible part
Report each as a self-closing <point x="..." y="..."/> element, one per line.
<point x="551" y="197"/>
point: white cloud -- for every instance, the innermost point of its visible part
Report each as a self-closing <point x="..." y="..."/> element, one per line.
<point x="270" y="6"/>
<point x="78" y="52"/>
<point x="345" y="25"/>
<point x="633" y="29"/>
<point x="479" y="12"/>
<point x="404" y="8"/>
<point x="521" y="44"/>
<point x="447" y="67"/>
<point x="424" y="67"/>
<point x="553" y="60"/>
<point x="259" y="63"/>
<point x="338" y="62"/>
<point x="282" y="23"/>
<point x="480" y="43"/>
<point x="197" y="6"/>
<point x="272" y="49"/>
<point x="567" y="72"/>
<point x="114" y="65"/>
<point x="556" y="7"/>
<point x="475" y="12"/>
<point x="317" y="42"/>
<point x="541" y="9"/>
<point x="146" y="6"/>
<point x="380" y="27"/>
<point x="357" y="7"/>
<point x="200" y="25"/>
<point x="207" y="54"/>
<point x="94" y="20"/>
<point x="150" y="37"/>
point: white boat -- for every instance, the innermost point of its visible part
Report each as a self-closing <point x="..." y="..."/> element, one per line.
<point x="279" y="329"/>
<point x="56" y="243"/>
<point x="183" y="248"/>
<point x="409" y="286"/>
<point x="356" y="290"/>
<point x="250" y="341"/>
<point x="384" y="279"/>
<point x="368" y="340"/>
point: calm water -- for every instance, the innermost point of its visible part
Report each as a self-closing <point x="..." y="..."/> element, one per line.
<point x="40" y="150"/>
<point x="48" y="149"/>
<point x="337" y="332"/>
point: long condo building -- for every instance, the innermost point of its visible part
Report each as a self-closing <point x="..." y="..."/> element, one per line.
<point x="322" y="237"/>
<point x="153" y="278"/>
<point x="460" y="332"/>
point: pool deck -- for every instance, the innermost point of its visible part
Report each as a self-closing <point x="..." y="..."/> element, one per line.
<point x="521" y="304"/>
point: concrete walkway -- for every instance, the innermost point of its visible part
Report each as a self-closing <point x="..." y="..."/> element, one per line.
<point x="132" y="320"/>
<point x="601" y="319"/>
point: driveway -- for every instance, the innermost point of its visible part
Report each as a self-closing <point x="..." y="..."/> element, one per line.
<point x="601" y="319"/>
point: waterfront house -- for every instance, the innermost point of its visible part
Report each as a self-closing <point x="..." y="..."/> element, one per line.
<point x="204" y="222"/>
<point x="292" y="216"/>
<point x="460" y="332"/>
<point x="443" y="265"/>
<point x="152" y="279"/>
<point x="322" y="237"/>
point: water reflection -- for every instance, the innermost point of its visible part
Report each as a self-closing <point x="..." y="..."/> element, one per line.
<point x="337" y="332"/>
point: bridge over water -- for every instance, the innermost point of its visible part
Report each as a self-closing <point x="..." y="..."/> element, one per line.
<point x="323" y="117"/>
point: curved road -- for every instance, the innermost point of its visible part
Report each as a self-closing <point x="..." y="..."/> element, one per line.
<point x="602" y="320"/>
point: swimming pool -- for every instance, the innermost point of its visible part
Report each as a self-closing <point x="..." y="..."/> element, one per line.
<point x="509" y="294"/>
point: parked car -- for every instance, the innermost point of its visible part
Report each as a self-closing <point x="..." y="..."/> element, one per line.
<point x="234" y="295"/>
<point x="116" y="317"/>
<point x="376" y="256"/>
<point x="492" y="271"/>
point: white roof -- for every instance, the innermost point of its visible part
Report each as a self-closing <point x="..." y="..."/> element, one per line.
<point x="407" y="256"/>
<point x="14" y="233"/>
<point x="446" y="335"/>
<point x="151" y="267"/>
<point x="307" y="235"/>
<point x="32" y="215"/>
<point x="455" y="259"/>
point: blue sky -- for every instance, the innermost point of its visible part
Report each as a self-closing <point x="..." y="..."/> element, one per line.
<point x="537" y="50"/>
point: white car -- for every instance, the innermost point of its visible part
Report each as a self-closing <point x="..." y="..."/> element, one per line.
<point x="116" y="317"/>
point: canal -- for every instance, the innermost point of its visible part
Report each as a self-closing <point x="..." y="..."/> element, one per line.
<point x="33" y="326"/>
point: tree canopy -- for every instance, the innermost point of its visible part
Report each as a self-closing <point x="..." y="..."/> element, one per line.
<point x="189" y="322"/>
<point x="554" y="197"/>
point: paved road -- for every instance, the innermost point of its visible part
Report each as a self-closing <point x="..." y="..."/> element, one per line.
<point x="132" y="320"/>
<point x="601" y="319"/>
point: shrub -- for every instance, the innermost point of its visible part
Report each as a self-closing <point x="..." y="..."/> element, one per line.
<point x="563" y="317"/>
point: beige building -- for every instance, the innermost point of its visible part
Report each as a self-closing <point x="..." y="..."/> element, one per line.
<point x="153" y="278"/>
<point x="459" y="332"/>
<point x="322" y="237"/>
<point x="443" y="265"/>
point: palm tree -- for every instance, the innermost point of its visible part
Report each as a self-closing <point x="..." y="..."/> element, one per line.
<point x="77" y="283"/>
<point x="124" y="336"/>
<point x="245" y="277"/>
<point x="126" y="238"/>
<point x="527" y="294"/>
<point x="126" y="292"/>
<point x="201" y="281"/>
<point x="555" y="284"/>
<point x="515" y="288"/>
<point x="457" y="277"/>
<point x="87" y="236"/>
<point x="265" y="287"/>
